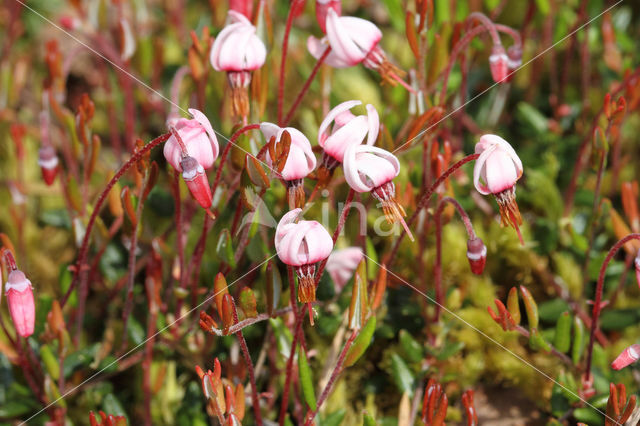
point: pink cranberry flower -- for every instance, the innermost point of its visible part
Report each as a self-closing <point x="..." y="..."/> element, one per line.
<point x="372" y="169"/>
<point x="627" y="357"/>
<point x="322" y="8"/>
<point x="496" y="172"/>
<point x="238" y="51"/>
<point x="193" y="148"/>
<point x="300" y="161"/>
<point x="353" y="41"/>
<point x="499" y="63"/>
<point x="341" y="265"/>
<point x="22" y="308"/>
<point x="301" y="244"/>
<point x="477" y="255"/>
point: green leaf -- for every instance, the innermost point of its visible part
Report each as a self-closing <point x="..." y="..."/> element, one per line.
<point x="334" y="419"/>
<point x="562" y="339"/>
<point x="306" y="379"/>
<point x="50" y="361"/>
<point x="401" y="374"/>
<point x="412" y="349"/>
<point x="247" y="302"/>
<point x="224" y="248"/>
<point x="111" y="405"/>
<point x="274" y="287"/>
<point x="550" y="311"/>
<point x="368" y="420"/>
<point x="578" y="340"/>
<point x="135" y="330"/>
<point x="588" y="416"/>
<point x="361" y="343"/>
<point x="537" y="342"/>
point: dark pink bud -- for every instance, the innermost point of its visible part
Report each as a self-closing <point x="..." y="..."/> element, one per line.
<point x="499" y="64"/>
<point x="627" y="357"/>
<point x="322" y="7"/>
<point x="21" y="305"/>
<point x="242" y="6"/>
<point x="477" y="255"/>
<point x="48" y="162"/>
<point x="514" y="55"/>
<point x="196" y="180"/>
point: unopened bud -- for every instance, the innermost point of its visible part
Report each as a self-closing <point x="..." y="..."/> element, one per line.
<point x="477" y="255"/>
<point x="499" y="64"/>
<point x="627" y="357"/>
<point x="48" y="162"/>
<point x="196" y="180"/>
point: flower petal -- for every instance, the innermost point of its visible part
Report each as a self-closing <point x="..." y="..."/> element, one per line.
<point x="341" y="42"/>
<point x="337" y="110"/>
<point x="374" y="124"/>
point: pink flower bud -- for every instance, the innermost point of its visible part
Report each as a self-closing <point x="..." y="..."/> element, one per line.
<point x="196" y="180"/>
<point x="48" y="162"/>
<point x="301" y="160"/>
<point x="69" y="23"/>
<point x="19" y="294"/>
<point x="199" y="139"/>
<point x="627" y="357"/>
<point x="342" y="264"/>
<point x="514" y="53"/>
<point x="347" y="130"/>
<point x="322" y="8"/>
<point x="302" y="243"/>
<point x="244" y="7"/>
<point x="237" y="47"/>
<point x="499" y="63"/>
<point x="637" y="264"/>
<point x="496" y="172"/>
<point x="477" y="255"/>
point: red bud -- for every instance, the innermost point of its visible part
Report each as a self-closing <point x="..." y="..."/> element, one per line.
<point x="477" y="255"/>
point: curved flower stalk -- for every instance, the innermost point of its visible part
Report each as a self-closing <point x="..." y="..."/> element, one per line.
<point x="496" y="172"/>
<point x="301" y="244"/>
<point x="353" y="41"/>
<point x="341" y="265"/>
<point x="238" y="51"/>
<point x="347" y="130"/>
<point x="299" y="163"/>
<point x="193" y="148"/>
<point x="322" y="8"/>
<point x="19" y="293"/>
<point x="372" y="169"/>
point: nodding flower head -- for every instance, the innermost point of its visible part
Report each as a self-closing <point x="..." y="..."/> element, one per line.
<point x="499" y="64"/>
<point x="353" y="41"/>
<point x="300" y="162"/>
<point x="627" y="357"/>
<point x="496" y="172"/>
<point x="477" y="255"/>
<point x="341" y="265"/>
<point x="238" y="51"/>
<point x="199" y="140"/>
<point x="322" y="8"/>
<point x="372" y="169"/>
<point x="22" y="308"/>
<point x="302" y="243"/>
<point x="48" y="162"/>
<point x="514" y="53"/>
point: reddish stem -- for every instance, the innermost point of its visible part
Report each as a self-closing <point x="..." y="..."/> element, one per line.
<point x="289" y="368"/>
<point x="225" y="153"/>
<point x="438" y="266"/>
<point x="283" y="58"/>
<point x="596" y="305"/>
<point x="424" y="199"/>
<point x="488" y="24"/>
<point x="307" y="83"/>
<point x="334" y="375"/>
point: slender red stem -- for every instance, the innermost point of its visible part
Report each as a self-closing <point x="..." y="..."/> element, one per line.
<point x="306" y="85"/>
<point x="437" y="272"/>
<point x="225" y="152"/>
<point x="283" y="58"/>
<point x="488" y="23"/>
<point x="424" y="199"/>
<point x="334" y="375"/>
<point x="289" y="367"/>
<point x="596" y="304"/>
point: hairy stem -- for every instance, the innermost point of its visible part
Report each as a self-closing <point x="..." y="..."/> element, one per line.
<point x="306" y="85"/>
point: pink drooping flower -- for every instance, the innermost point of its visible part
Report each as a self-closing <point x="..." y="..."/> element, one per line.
<point x="22" y="308"/>
<point x="322" y="8"/>
<point x="301" y="244"/>
<point x="238" y="51"/>
<point x="499" y="64"/>
<point x="353" y="41"/>
<point x="477" y="255"/>
<point x="300" y="162"/>
<point x="626" y="357"/>
<point x="245" y="7"/>
<point x="496" y="172"/>
<point x="191" y="149"/>
<point x="372" y="169"/>
<point x="341" y="265"/>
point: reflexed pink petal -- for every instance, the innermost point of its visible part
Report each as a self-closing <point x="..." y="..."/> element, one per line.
<point x="341" y="41"/>
<point x="500" y="171"/>
<point x="365" y="34"/>
<point x="301" y="243"/>
<point x="367" y="167"/>
<point x="319" y="243"/>
<point x="333" y="114"/>
<point x="301" y="161"/>
<point x="374" y="124"/>
<point x="206" y="124"/>
<point x="498" y="166"/>
<point x="351" y="172"/>
<point x="317" y="47"/>
<point x="352" y="133"/>
<point x="237" y="47"/>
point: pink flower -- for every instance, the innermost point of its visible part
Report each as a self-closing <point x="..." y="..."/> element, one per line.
<point x="301" y="160"/>
<point x="48" y="162"/>
<point x="499" y="63"/>
<point x="496" y="172"/>
<point x="477" y="255"/>
<point x="238" y="51"/>
<point x="199" y="139"/>
<point x="19" y="294"/>
<point x="352" y="41"/>
<point x="627" y="357"/>
<point x="322" y="8"/>
<point x="302" y="243"/>
<point x="372" y="169"/>
<point x="245" y="7"/>
<point x="342" y="264"/>
<point x="348" y="129"/>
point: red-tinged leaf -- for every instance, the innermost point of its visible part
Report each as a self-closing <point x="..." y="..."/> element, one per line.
<point x="361" y="342"/>
<point x="380" y="288"/>
<point x="423" y="122"/>
<point x="228" y="311"/>
<point x="411" y="33"/>
<point x="530" y="306"/>
<point x="247" y="302"/>
<point x="513" y="304"/>
<point x="240" y="401"/>
<point x="220" y="288"/>
<point x="127" y="202"/>
<point x="255" y="172"/>
<point x="151" y="180"/>
<point x="359" y="307"/>
<point x="606" y="106"/>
